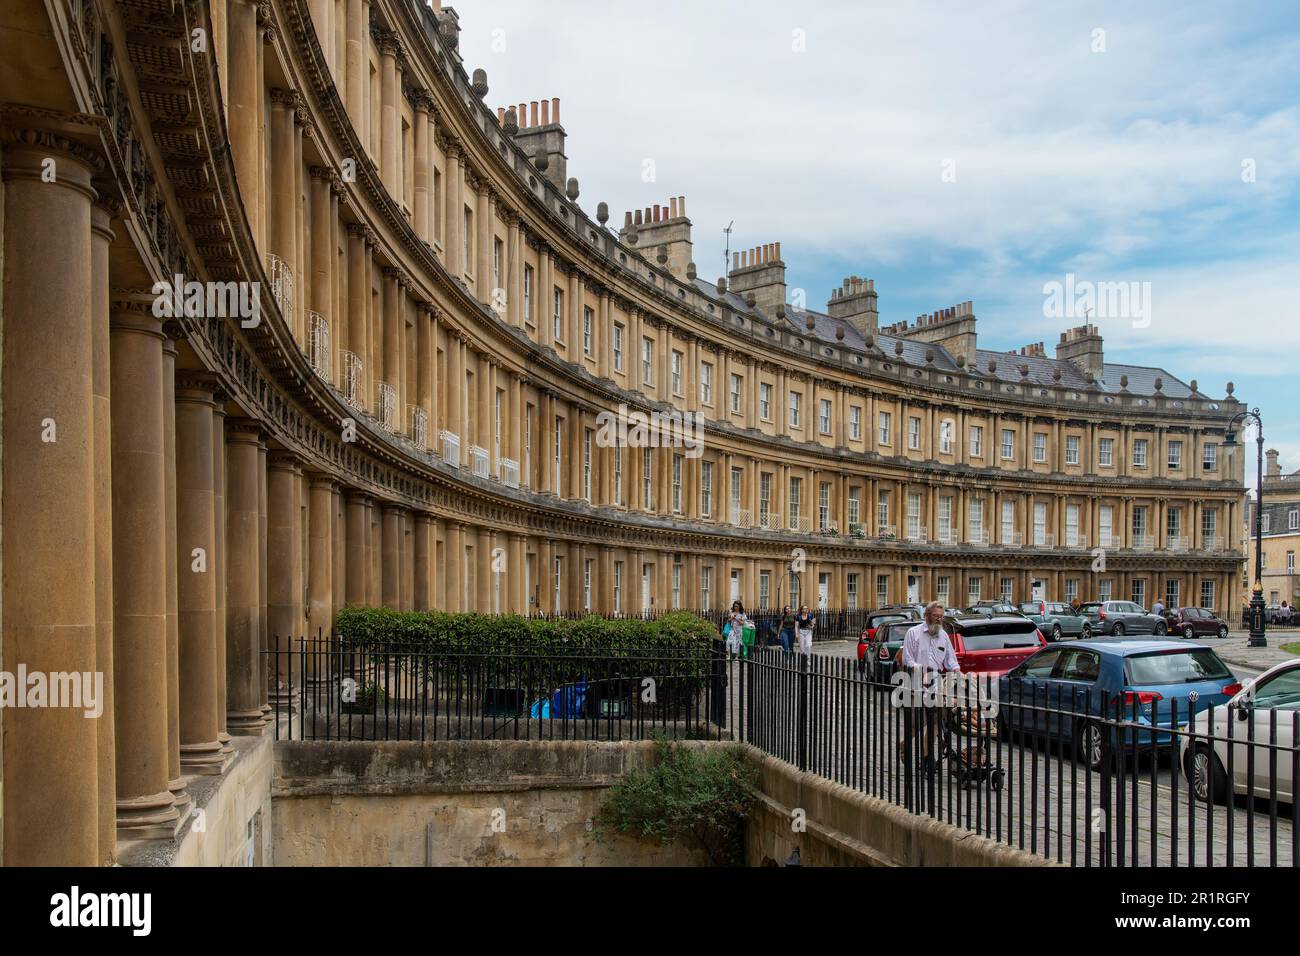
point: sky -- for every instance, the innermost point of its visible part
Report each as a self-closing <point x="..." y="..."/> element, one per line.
<point x="954" y="151"/>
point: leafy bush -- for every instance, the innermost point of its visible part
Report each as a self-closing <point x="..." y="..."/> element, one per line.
<point x="701" y="795"/>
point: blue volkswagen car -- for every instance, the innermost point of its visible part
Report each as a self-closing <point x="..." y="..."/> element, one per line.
<point x="1063" y="691"/>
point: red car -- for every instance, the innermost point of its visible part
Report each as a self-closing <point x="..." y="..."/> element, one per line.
<point x="874" y="620"/>
<point x="1192" y="622"/>
<point x="992" y="645"/>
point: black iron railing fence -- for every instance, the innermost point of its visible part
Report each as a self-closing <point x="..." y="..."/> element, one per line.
<point x="1065" y="774"/>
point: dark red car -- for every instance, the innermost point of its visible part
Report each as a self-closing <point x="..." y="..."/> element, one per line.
<point x="992" y="645"/>
<point x="1193" y="622"/>
<point x="875" y="619"/>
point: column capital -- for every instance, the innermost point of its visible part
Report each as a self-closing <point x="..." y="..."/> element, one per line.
<point x="280" y="460"/>
<point x="200" y="388"/>
<point x="246" y="431"/>
<point x="133" y="311"/>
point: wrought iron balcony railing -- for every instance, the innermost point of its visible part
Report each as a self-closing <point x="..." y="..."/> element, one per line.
<point x="450" y="448"/>
<point x="318" y="344"/>
<point x="386" y="406"/>
<point x="351" y="378"/>
<point x="281" y="282"/>
<point x="419" y="419"/>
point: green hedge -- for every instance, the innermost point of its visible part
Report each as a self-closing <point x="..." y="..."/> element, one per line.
<point x="678" y="649"/>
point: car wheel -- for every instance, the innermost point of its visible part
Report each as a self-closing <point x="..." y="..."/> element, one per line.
<point x="1087" y="742"/>
<point x="1056" y="632"/>
<point x="1161" y="628"/>
<point x="1205" y="775"/>
<point x="1086" y="633"/>
<point x="1189" y="632"/>
<point x="1223" y="632"/>
<point x="1117" y="630"/>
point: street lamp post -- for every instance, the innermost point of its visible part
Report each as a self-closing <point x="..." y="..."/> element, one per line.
<point x="1258" y="637"/>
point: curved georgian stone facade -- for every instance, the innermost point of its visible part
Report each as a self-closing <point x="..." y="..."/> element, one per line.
<point x="414" y="416"/>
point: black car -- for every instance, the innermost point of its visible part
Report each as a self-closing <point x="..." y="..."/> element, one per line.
<point x="1120" y="618"/>
<point x="878" y="617"/>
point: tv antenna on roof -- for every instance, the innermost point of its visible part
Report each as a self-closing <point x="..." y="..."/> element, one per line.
<point x="726" y="256"/>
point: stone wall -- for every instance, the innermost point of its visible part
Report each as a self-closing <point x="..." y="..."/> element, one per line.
<point x="846" y="828"/>
<point x="454" y="803"/>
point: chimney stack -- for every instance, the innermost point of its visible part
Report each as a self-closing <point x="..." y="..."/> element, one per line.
<point x="1083" y="347"/>
<point x="539" y="128"/>
<point x="664" y="225"/>
<point x="854" y="302"/>
<point x="760" y="270"/>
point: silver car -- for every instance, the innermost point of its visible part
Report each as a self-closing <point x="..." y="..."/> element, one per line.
<point x="1266" y="705"/>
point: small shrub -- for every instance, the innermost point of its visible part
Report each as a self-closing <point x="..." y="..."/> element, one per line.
<point x="700" y="795"/>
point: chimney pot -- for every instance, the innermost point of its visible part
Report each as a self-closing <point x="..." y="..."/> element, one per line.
<point x="532" y="114"/>
<point x="555" y="110"/>
<point x="546" y="112"/>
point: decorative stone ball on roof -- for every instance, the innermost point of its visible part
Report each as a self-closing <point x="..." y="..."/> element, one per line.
<point x="511" y="124"/>
<point x="1230" y="389"/>
<point x="1024" y="370"/>
<point x="602" y="214"/>
<point x="540" y="159"/>
<point x="722" y="286"/>
<point x="1160" y="383"/>
<point x="1056" y="375"/>
<point x="750" y="299"/>
<point x="809" y="323"/>
<point x="663" y="254"/>
<point x="1123" y="382"/>
<point x="870" y="341"/>
<point x="631" y="237"/>
<point x="690" y="271"/>
<point x="480" y="84"/>
<point x="898" y="348"/>
<point x="1194" y="386"/>
<point x="961" y="360"/>
<point x="571" y="189"/>
<point x="993" y="365"/>
<point x="929" y="356"/>
<point x="839" y="332"/>
<point x="780" y="311"/>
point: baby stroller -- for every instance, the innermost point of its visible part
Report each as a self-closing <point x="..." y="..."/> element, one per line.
<point x="970" y="764"/>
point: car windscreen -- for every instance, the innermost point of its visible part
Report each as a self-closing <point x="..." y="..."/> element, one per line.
<point x="1174" y="667"/>
<point x="998" y="635"/>
<point x="879" y="621"/>
<point x="895" y="631"/>
<point x="1089" y="608"/>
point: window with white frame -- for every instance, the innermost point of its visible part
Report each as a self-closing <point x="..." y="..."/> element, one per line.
<point x="1040" y="446"/>
<point x="765" y="401"/>
<point x="1210" y="457"/>
<point x="1071" y="449"/>
<point x="855" y="423"/>
<point x="586" y="584"/>
<point x="914" y="515"/>
<point x="737" y="477"/>
<point x="1072" y="526"/>
<point x="824" y="506"/>
<point x="1174" y="522"/>
<point x="496" y="265"/>
<point x="647" y="361"/>
<point x="1172" y="592"/>
<point x="647" y="479"/>
<point x="706" y="489"/>
<point x="1207" y="595"/>
<point x="706" y="588"/>
<point x="737" y="383"/>
<point x="764" y="498"/>
<point x="1105" y="589"/>
<point x="977" y="441"/>
<point x="1266" y="523"/>
<point x="942" y="589"/>
<point x="528" y="296"/>
<point x="1006" y="589"/>
<point x="1175" y="459"/>
<point x="618" y="474"/>
<point x="1293" y="519"/>
<point x="945" y="518"/>
<point x="557" y="576"/>
<point x="855" y="508"/>
<point x="884" y="423"/>
<point x="796" y="489"/>
<point x="677" y="585"/>
<point x="913" y="433"/>
<point x="587" y="436"/>
<point x="1008" y="522"/>
<point x="677" y="372"/>
<point x="851" y="591"/>
<point x="795" y="398"/>
<point x="1106" y="526"/>
<point x="1040" y="524"/>
<point x="1210" y="522"/>
<point x="882" y="510"/>
<point x="794" y="589"/>
<point x="945" y="437"/>
<point x="1008" y="444"/>
<point x="677" y="484"/>
<point x="706" y="383"/>
<point x="974" y="588"/>
<point x="824" y="416"/>
<point x="1071" y="591"/>
<point x="588" y="320"/>
<point x="618" y="587"/>
<point x="882" y="590"/>
<point x="618" y="347"/>
<point x="559" y="443"/>
<point x="764" y="589"/>
<point x="557" y="314"/>
<point x="1106" y="452"/>
<point x="975" y="518"/>
<point x="1140" y="453"/>
<point x="1139" y="596"/>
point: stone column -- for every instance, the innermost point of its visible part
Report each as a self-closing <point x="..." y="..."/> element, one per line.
<point x="284" y="218"/>
<point x="406" y="542"/>
<point x="244" y="666"/>
<point x="217" y="561"/>
<point x="392" y="556"/>
<point x="50" y="521"/>
<point x="390" y="115"/>
<point x="515" y="574"/>
<point x="244" y="106"/>
<point x="177" y="785"/>
<point x="146" y="807"/>
<point x="284" y="572"/>
<point x="357" y="78"/>
<point x="423" y="562"/>
<point x="101" y="216"/>
<point x="358" y="298"/>
<point x="455" y="565"/>
<point x="483" y="576"/>
<point x="455" y="213"/>
<point x="421" y="177"/>
<point x="358" y="519"/>
<point x="320" y="586"/>
<point x="321" y="260"/>
<point x="196" y="573"/>
<point x="426" y="356"/>
<point x="263" y="545"/>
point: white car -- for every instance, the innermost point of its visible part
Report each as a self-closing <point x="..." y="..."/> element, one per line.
<point x="1274" y="692"/>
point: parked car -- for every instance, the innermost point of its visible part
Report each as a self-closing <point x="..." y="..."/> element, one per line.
<point x="992" y="645"/>
<point x="1119" y="618"/>
<point x="1070" y="691"/>
<point x="873" y="621"/>
<point x="1192" y="622"/>
<point x="1278" y="614"/>
<point x="1268" y="701"/>
<point x="882" y="651"/>
<point x="991" y="608"/>
<point x="1057" y="620"/>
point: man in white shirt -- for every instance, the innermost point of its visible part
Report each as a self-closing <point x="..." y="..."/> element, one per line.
<point x="927" y="646"/>
<point x="927" y="650"/>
